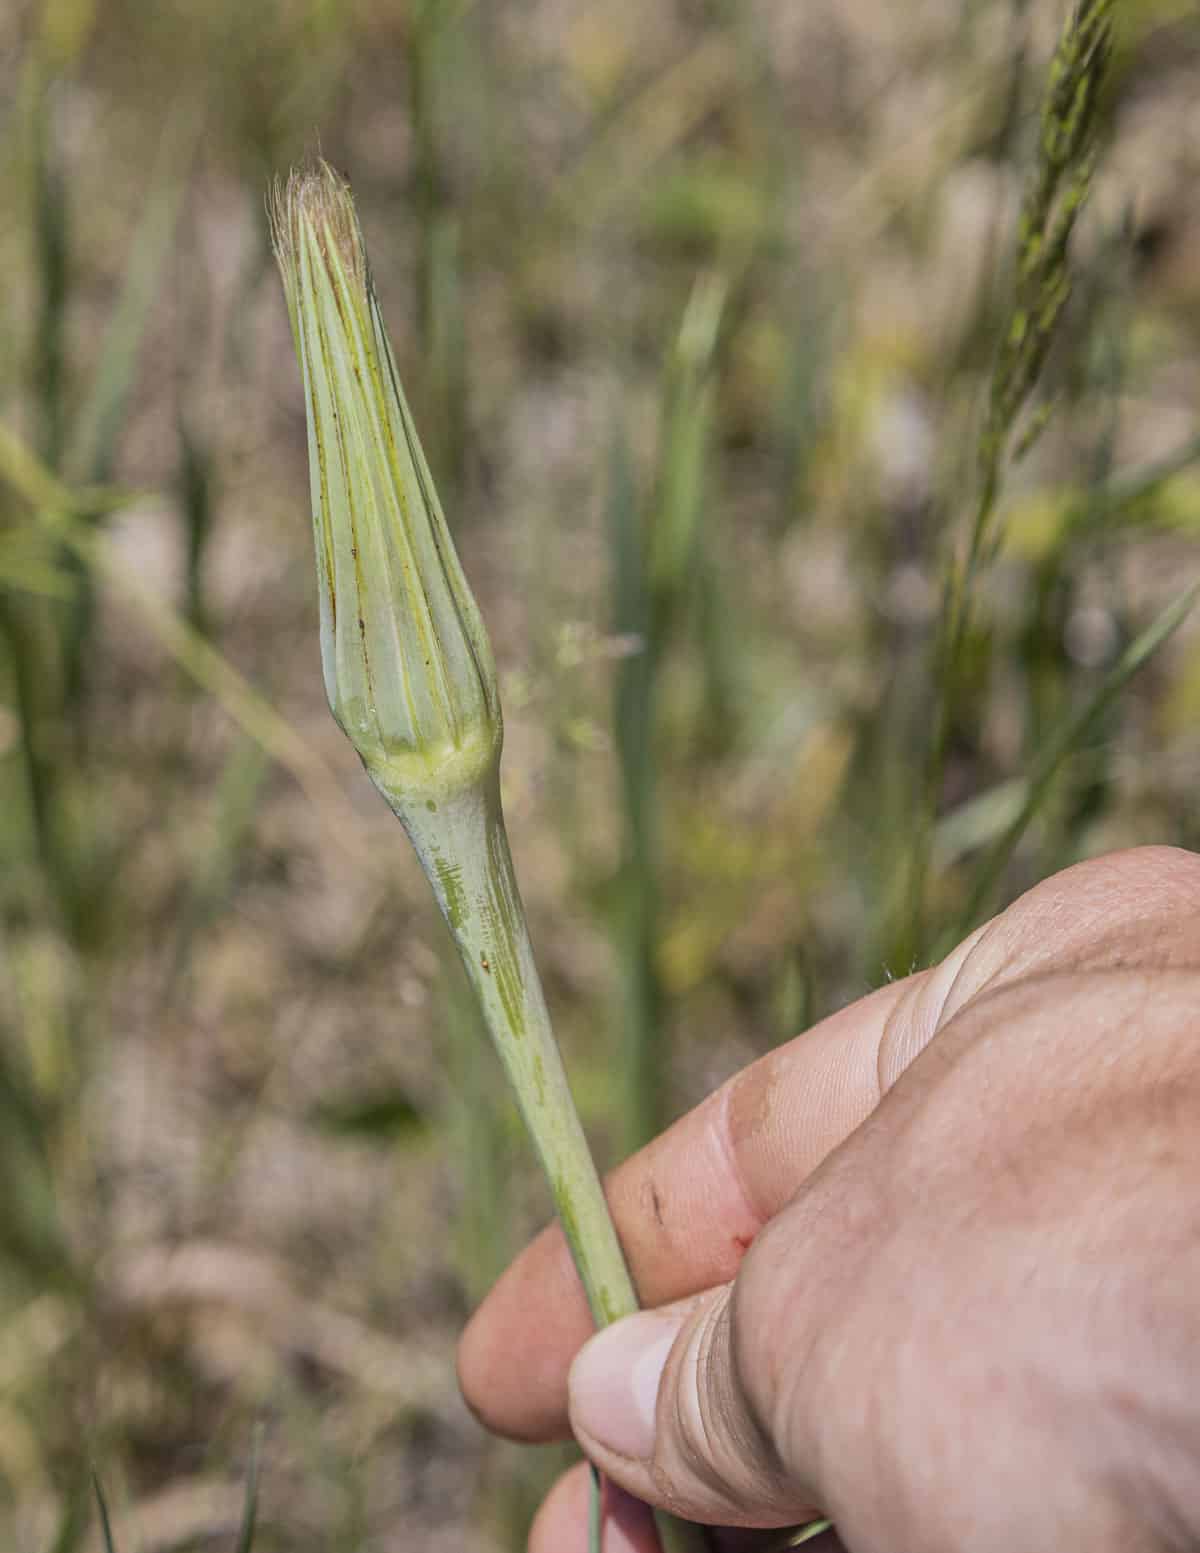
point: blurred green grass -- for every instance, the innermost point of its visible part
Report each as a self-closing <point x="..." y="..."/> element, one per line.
<point x="698" y="307"/>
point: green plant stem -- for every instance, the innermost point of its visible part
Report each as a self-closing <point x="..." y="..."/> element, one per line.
<point x="1057" y="191"/>
<point x="464" y="850"/>
<point x="463" y="847"/>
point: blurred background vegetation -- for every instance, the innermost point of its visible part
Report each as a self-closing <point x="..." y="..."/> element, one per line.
<point x="697" y="305"/>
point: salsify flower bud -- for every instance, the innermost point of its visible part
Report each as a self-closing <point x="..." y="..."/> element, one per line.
<point x="407" y="664"/>
<point x="409" y="675"/>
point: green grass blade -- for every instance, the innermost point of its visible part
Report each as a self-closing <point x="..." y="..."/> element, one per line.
<point x="39" y="487"/>
<point x="213" y="672"/>
<point x="595" y="1510"/>
<point x="29" y="565"/>
<point x="73" y="1525"/>
<point x="31" y="1230"/>
<point x="245" y="1539"/>
<point x="635" y="901"/>
<point x="94" y="440"/>
<point x="1128" y="497"/>
<point x="446" y="353"/>
<point x="797" y="1538"/>
<point x="57" y="509"/>
<point x="94" y="443"/>
<point x="23" y="643"/>
<point x="653" y="570"/>
<point x="197" y="505"/>
<point x="214" y="876"/>
<point x="688" y="413"/>
<point x="1064" y="743"/>
<point x="105" y="1522"/>
<point x="51" y="225"/>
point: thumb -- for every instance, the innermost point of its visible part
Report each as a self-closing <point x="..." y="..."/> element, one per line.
<point x="660" y="1402"/>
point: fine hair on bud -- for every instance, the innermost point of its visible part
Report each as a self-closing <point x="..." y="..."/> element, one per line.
<point x="322" y="196"/>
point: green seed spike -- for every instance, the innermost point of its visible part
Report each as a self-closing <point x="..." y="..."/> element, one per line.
<point x="410" y="679"/>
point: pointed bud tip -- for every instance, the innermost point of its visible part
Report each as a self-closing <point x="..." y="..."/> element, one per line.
<point x="316" y="198"/>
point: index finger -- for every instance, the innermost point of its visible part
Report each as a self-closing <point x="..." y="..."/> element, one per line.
<point x="686" y="1207"/>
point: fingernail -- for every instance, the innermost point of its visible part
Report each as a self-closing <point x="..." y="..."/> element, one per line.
<point x="614" y="1382"/>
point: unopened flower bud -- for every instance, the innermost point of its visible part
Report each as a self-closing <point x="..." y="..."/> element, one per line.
<point x="407" y="663"/>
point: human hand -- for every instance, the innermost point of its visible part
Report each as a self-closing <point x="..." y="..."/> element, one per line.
<point x="931" y="1269"/>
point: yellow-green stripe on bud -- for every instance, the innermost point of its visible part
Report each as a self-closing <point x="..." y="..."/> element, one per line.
<point x="407" y="663"/>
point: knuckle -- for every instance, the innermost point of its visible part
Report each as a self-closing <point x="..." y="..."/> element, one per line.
<point x="753" y="1337"/>
<point x="712" y="1456"/>
<point x="695" y="1405"/>
<point x="769" y="1339"/>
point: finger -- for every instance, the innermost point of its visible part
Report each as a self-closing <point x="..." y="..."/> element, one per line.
<point x="865" y="1306"/>
<point x="1137" y="908"/>
<point x="686" y="1207"/>
<point x="561" y="1525"/>
<point x="658" y="1402"/>
<point x="627" y="1525"/>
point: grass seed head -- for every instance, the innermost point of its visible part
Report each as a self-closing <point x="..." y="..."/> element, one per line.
<point x="407" y="664"/>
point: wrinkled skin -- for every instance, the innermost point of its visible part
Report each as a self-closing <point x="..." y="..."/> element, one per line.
<point x="933" y="1268"/>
